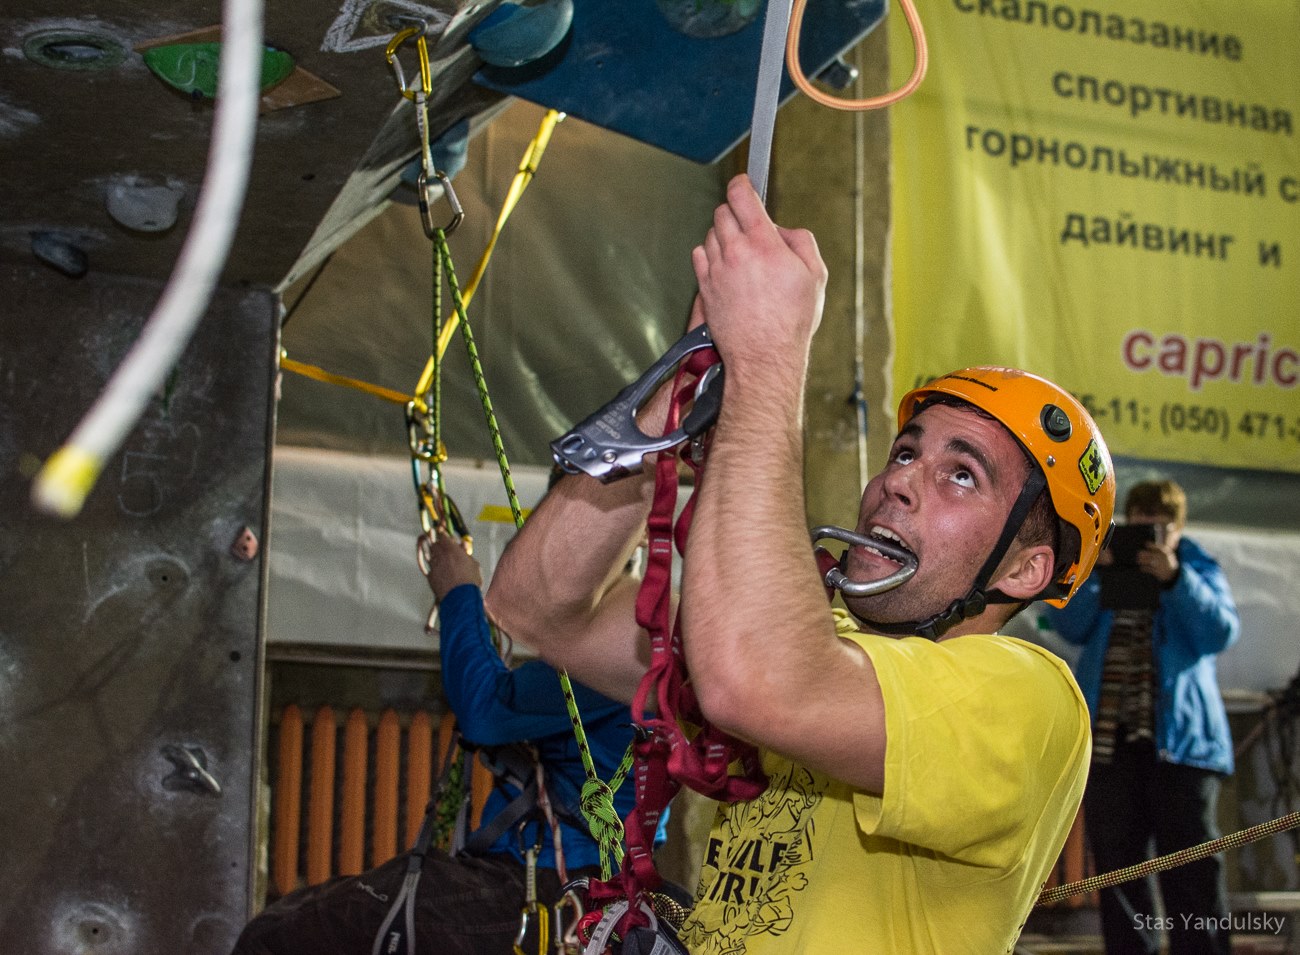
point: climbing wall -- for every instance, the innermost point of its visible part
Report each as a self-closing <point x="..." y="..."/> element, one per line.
<point x="129" y="659"/>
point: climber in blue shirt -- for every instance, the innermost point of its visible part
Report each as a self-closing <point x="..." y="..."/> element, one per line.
<point x="497" y="705"/>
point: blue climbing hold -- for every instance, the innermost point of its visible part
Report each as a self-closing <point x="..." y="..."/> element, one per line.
<point x="514" y="35"/>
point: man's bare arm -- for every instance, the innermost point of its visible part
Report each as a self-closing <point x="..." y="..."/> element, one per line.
<point x="760" y="643"/>
<point x="560" y="586"/>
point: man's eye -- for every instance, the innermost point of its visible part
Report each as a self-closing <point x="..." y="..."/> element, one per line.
<point x="963" y="477"/>
<point x="903" y="456"/>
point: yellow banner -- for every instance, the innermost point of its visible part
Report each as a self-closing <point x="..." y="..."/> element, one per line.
<point x="1109" y="195"/>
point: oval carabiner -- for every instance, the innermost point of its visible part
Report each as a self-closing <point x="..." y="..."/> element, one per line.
<point x="422" y="49"/>
<point x="523" y="931"/>
<point x="423" y="188"/>
<point x="834" y="577"/>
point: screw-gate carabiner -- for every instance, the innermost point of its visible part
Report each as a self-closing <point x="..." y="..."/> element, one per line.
<point x="423" y="189"/>
<point x="422" y="48"/>
<point x="834" y="577"/>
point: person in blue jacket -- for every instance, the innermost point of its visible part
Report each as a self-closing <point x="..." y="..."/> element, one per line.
<point x="1161" y="742"/>
<point x="497" y="705"/>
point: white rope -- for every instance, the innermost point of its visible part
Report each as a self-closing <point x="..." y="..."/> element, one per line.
<point x="69" y="475"/>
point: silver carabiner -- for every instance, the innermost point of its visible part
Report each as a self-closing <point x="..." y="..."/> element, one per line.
<point x="566" y="936"/>
<point x="423" y="189"/>
<point x="853" y="588"/>
<point x="609" y="444"/>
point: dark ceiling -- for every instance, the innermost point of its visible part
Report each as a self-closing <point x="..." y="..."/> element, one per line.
<point x="82" y="118"/>
<point x="87" y="126"/>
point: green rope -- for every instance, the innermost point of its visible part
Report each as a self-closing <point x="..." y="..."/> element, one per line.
<point x="434" y="400"/>
<point x="597" y="800"/>
<point x="446" y="809"/>
<point x="480" y="383"/>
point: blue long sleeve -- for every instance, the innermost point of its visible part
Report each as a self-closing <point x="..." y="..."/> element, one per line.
<point x="1194" y="622"/>
<point x="495" y="705"/>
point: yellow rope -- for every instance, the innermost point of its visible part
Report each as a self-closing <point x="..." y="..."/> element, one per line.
<point x="320" y="374"/>
<point x="527" y="168"/>
<point x="1173" y="859"/>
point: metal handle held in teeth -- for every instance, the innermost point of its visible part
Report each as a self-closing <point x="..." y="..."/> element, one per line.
<point x="852" y="588"/>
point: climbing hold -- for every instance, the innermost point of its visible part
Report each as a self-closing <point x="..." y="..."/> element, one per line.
<point x="514" y="35"/>
<point x="143" y="206"/>
<point x="192" y="67"/>
<point x="61" y="253"/>
<point x="448" y="150"/>
<point x="705" y="19"/>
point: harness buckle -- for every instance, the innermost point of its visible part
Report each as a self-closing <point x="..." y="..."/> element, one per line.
<point x="609" y="445"/>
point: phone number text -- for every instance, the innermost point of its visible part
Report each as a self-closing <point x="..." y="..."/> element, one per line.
<point x="1177" y="417"/>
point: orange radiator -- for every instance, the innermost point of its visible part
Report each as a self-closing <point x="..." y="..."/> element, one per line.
<point x="347" y="797"/>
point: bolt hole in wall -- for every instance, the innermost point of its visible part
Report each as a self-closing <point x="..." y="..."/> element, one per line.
<point x="74" y="50"/>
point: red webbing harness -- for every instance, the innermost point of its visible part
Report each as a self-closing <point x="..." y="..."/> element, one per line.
<point x="665" y="758"/>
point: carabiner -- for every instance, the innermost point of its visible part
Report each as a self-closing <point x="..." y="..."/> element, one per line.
<point x="444" y="517"/>
<point x="423" y="190"/>
<point x="422" y="48"/>
<point x="834" y="577"/>
<point x="543" y="930"/>
<point x="530" y="897"/>
<point x="523" y="931"/>
<point x="423" y="448"/>
<point x="566" y="936"/>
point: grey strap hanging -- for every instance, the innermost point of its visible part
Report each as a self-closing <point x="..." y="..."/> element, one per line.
<point x="767" y="93"/>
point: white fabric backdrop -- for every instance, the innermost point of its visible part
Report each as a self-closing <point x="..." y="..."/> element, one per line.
<point x="343" y="571"/>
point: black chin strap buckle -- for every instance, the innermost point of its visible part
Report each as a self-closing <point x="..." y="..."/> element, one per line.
<point x="972" y="605"/>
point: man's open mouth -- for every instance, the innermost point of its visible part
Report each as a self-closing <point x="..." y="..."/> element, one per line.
<point x="890" y="546"/>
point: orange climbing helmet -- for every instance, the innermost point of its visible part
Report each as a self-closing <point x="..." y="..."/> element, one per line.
<point x="1060" y="436"/>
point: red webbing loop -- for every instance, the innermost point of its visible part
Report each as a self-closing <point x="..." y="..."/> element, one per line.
<point x="826" y="562"/>
<point x="664" y="759"/>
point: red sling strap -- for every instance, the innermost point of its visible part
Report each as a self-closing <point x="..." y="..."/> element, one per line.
<point x="665" y="758"/>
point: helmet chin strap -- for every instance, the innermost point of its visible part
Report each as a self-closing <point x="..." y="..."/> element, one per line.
<point x="978" y="597"/>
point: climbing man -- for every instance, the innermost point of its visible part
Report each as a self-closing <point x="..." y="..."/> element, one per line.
<point x="920" y="787"/>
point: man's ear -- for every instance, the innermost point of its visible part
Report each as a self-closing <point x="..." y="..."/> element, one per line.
<point x="1025" y="572"/>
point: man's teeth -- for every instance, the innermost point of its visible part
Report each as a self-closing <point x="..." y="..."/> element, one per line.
<point x="888" y="537"/>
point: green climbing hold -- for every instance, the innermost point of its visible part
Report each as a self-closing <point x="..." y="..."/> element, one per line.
<point x="192" y="67"/>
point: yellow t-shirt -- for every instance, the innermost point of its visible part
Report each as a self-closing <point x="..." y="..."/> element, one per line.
<point x="986" y="758"/>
